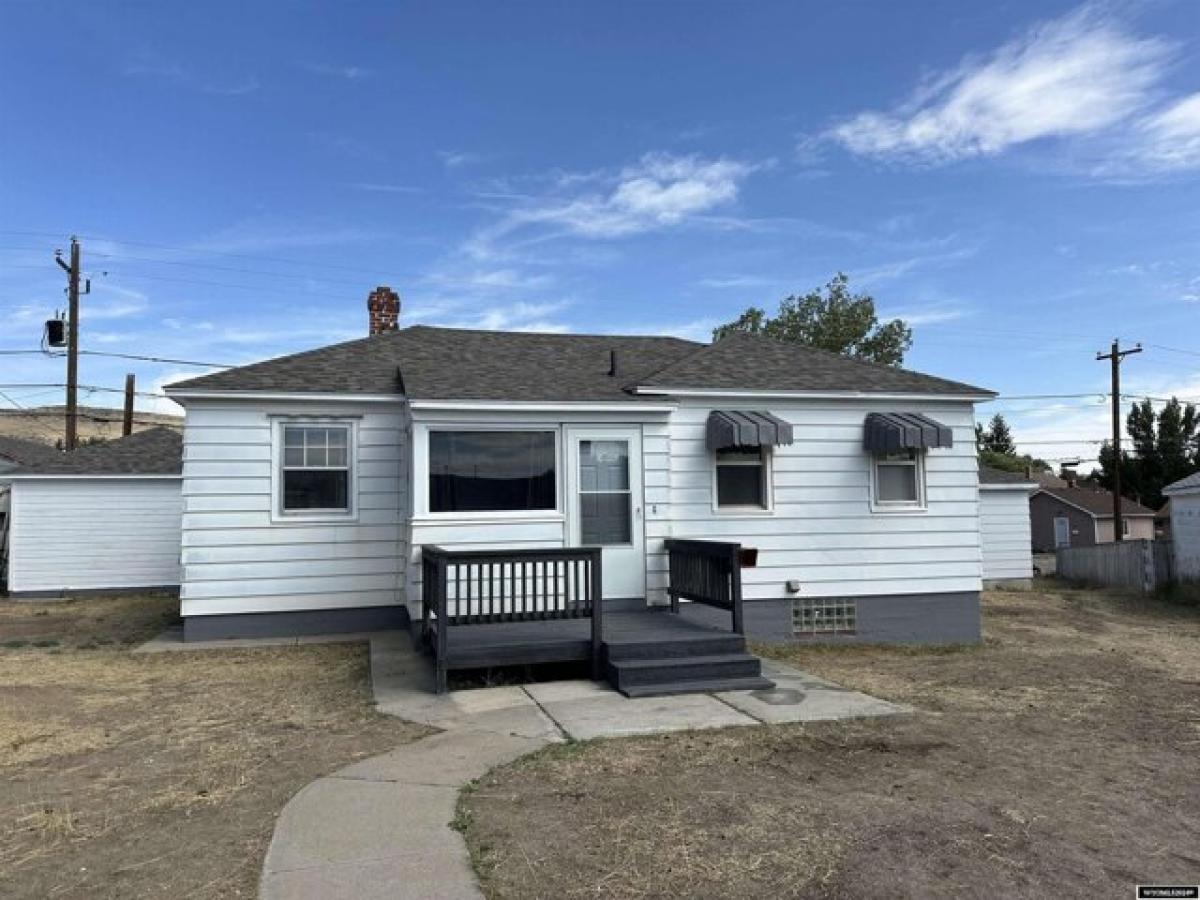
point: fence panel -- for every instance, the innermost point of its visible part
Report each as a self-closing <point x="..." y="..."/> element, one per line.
<point x="1138" y="565"/>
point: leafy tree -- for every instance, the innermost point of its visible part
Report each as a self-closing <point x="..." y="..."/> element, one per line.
<point x="998" y="450"/>
<point x="998" y="437"/>
<point x="831" y="318"/>
<point x="1162" y="449"/>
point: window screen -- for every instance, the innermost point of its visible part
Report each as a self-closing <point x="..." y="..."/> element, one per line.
<point x="741" y="478"/>
<point x="491" y="471"/>
<point x="897" y="478"/>
<point x="316" y="467"/>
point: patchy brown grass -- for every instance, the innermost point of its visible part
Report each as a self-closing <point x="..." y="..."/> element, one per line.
<point x="1060" y="758"/>
<point x="132" y="775"/>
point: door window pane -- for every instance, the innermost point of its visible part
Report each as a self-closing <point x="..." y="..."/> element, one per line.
<point x="490" y="471"/>
<point x="604" y="518"/>
<point x="603" y="466"/>
<point x="605" y="504"/>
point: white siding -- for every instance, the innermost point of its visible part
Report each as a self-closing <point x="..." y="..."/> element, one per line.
<point x="1005" y="533"/>
<point x="238" y="557"/>
<point x="71" y="534"/>
<point x="822" y="531"/>
<point x="1185" y="535"/>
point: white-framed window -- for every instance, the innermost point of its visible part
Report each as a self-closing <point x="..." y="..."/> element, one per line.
<point x="898" y="481"/>
<point x="491" y="471"/>
<point x="315" y="469"/>
<point x="742" y="479"/>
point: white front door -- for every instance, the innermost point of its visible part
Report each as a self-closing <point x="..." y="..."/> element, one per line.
<point x="1062" y="531"/>
<point x="604" y="491"/>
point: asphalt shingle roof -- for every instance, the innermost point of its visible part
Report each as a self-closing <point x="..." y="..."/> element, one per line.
<point x="1184" y="484"/>
<point x="1098" y="503"/>
<point x="988" y="475"/>
<point x="155" y="451"/>
<point x="429" y="363"/>
<point x="25" y="453"/>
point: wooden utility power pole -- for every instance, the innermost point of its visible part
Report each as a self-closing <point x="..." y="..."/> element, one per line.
<point x="73" y="277"/>
<point x="127" y="421"/>
<point x="1116" y="354"/>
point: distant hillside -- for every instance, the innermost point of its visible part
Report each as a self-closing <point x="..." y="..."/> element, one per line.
<point x="47" y="423"/>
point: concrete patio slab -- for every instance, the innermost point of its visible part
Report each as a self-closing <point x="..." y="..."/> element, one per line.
<point x="800" y="697"/>
<point x="614" y="715"/>
<point x="552" y="691"/>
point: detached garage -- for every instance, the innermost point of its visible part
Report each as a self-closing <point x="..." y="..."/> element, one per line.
<point x="1004" y="526"/>
<point x="104" y="517"/>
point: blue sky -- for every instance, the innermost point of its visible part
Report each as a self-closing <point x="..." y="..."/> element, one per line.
<point x="1016" y="179"/>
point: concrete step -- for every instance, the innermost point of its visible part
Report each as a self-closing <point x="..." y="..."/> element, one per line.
<point x="624" y="673"/>
<point x="706" y="686"/>
<point x="668" y="648"/>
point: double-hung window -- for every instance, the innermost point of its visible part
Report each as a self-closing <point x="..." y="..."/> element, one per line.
<point x="742" y="479"/>
<point x="316" y="468"/>
<point x="492" y="471"/>
<point x="899" y="480"/>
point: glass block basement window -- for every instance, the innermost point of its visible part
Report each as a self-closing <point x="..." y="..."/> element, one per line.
<point x="819" y="616"/>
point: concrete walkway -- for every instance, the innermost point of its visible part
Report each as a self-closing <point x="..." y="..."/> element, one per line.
<point x="382" y="827"/>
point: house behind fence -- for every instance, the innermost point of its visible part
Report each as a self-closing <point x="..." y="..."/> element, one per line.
<point x="1139" y="565"/>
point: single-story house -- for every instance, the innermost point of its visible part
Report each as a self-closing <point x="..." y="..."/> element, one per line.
<point x="424" y="472"/>
<point x="1083" y="517"/>
<point x="103" y="517"/>
<point x="1004" y="526"/>
<point x="1184" y="499"/>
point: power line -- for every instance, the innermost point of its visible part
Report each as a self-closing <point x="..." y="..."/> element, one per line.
<point x="30" y="414"/>
<point x="83" y="387"/>
<point x="156" y="359"/>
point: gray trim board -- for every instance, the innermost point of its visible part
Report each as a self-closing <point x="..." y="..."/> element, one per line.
<point x="169" y="590"/>
<point x="294" y="623"/>
<point x="951" y="618"/>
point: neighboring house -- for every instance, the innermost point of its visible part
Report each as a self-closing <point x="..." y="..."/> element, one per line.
<point x="311" y="483"/>
<point x="1184" y="499"/>
<point x="1083" y="517"/>
<point x="1004" y="526"/>
<point x="103" y="517"/>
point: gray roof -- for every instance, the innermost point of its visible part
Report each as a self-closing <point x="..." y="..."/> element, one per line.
<point x="423" y="362"/>
<point x="988" y="475"/>
<point x="1098" y="503"/>
<point x="25" y="453"/>
<point x="1191" y="483"/>
<point x="155" y="451"/>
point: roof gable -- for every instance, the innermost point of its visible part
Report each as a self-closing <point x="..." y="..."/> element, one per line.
<point x="1096" y="503"/>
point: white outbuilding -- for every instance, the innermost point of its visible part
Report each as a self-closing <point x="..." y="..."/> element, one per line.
<point x="104" y="517"/>
<point x="1004" y="526"/>
<point x="1185" y="526"/>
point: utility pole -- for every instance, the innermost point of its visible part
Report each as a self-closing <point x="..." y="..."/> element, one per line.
<point x="1116" y="354"/>
<point x="73" y="277"/>
<point x="127" y="421"/>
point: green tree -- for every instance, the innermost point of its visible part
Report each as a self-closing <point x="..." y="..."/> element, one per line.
<point x="831" y="318"/>
<point x="998" y="437"/>
<point x="1162" y="449"/>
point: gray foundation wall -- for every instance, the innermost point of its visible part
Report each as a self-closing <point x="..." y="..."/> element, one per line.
<point x="890" y="619"/>
<point x="294" y="624"/>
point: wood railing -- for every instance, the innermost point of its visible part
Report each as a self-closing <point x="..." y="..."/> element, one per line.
<point x="482" y="587"/>
<point x="708" y="572"/>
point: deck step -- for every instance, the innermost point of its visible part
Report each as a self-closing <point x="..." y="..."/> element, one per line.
<point x="703" y="645"/>
<point x="670" y="688"/>
<point x="626" y="673"/>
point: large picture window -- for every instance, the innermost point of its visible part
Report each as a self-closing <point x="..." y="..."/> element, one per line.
<point x="491" y="471"/>
<point x="742" y="478"/>
<point x="316" y="468"/>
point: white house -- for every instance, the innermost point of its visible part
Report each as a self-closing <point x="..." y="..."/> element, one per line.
<point x="312" y="483"/>
<point x="1184" y="496"/>
<point x="101" y="518"/>
<point x="1004" y="526"/>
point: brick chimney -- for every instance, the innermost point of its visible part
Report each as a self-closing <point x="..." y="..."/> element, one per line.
<point x="383" y="304"/>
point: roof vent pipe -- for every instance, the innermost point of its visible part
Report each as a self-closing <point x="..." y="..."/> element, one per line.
<point x="612" y="364"/>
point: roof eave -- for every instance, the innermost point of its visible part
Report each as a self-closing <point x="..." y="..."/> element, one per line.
<point x="815" y="395"/>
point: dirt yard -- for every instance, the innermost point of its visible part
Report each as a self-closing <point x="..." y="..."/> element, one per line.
<point x="1059" y="759"/>
<point x="127" y="775"/>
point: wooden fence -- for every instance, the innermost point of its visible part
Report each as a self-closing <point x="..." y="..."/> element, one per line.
<point x="1139" y="565"/>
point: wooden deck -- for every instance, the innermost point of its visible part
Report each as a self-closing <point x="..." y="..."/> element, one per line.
<point x="569" y="640"/>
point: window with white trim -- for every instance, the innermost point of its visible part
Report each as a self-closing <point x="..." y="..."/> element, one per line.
<point x="898" y="480"/>
<point x="492" y="471"/>
<point x="315" y="468"/>
<point x="742" y="478"/>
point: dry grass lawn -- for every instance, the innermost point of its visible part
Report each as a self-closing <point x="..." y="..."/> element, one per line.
<point x="126" y="775"/>
<point x="1059" y="759"/>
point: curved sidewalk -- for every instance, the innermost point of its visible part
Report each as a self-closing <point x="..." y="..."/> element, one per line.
<point x="382" y="827"/>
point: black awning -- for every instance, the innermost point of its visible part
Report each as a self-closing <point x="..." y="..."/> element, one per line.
<point x="893" y="432"/>
<point x="737" y="428"/>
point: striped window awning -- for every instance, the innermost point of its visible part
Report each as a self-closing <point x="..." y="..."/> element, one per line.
<point x="737" y="428"/>
<point x="893" y="432"/>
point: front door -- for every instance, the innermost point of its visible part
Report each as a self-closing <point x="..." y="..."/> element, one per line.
<point x="1062" y="531"/>
<point x="605" y="503"/>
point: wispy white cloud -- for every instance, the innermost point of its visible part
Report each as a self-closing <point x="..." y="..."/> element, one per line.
<point x="1169" y="140"/>
<point x="455" y="159"/>
<point x="520" y="316"/>
<point x="348" y="73"/>
<point x="930" y="314"/>
<point x="155" y="67"/>
<point x="380" y="188"/>
<point x="900" y="267"/>
<point x="1075" y="75"/>
<point x="720" y="282"/>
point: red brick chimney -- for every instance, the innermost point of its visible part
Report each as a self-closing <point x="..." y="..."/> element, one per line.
<point x="384" y="306"/>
